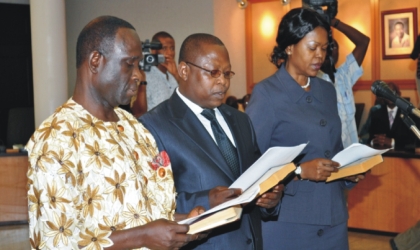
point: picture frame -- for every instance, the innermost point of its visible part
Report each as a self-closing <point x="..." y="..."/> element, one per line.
<point x="399" y="31"/>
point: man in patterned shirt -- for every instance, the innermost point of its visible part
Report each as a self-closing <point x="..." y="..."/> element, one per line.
<point x="96" y="178"/>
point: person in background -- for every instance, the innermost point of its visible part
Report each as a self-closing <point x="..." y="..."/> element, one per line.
<point x="401" y="38"/>
<point x="292" y="107"/>
<point x="209" y="143"/>
<point x="345" y="77"/>
<point x="161" y="80"/>
<point x="387" y="129"/>
<point x="232" y="101"/>
<point x="364" y="131"/>
<point x="410" y="239"/>
<point x="415" y="55"/>
<point x="244" y="101"/>
<point x="96" y="178"/>
<point x="407" y="240"/>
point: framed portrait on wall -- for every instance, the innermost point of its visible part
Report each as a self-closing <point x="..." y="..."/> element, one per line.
<point x="399" y="31"/>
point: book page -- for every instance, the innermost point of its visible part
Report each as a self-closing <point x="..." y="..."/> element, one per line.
<point x="245" y="197"/>
<point x="355" y="152"/>
<point x="354" y="163"/>
<point x="273" y="157"/>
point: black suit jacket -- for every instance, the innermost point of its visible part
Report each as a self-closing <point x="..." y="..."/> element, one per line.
<point x="404" y="138"/>
<point x="199" y="166"/>
<point x="416" y="49"/>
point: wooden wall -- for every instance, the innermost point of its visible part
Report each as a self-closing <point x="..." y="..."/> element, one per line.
<point x="13" y="188"/>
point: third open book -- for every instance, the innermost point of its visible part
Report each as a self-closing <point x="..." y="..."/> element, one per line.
<point x="356" y="159"/>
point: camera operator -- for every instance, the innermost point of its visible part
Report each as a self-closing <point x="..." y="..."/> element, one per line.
<point x="346" y="74"/>
<point x="161" y="80"/>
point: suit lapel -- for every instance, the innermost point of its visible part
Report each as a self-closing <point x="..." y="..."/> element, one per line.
<point x="187" y="122"/>
<point x="396" y="123"/>
<point x="385" y="120"/>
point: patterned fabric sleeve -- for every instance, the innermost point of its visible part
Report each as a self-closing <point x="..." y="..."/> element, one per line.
<point x="53" y="197"/>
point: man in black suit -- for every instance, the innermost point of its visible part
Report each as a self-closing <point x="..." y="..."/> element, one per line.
<point x="196" y="144"/>
<point x="387" y="127"/>
<point x="415" y="55"/>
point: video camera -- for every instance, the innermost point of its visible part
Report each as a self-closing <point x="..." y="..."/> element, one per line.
<point x="149" y="59"/>
<point x="316" y="5"/>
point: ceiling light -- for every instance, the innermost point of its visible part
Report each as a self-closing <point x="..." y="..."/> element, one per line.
<point x="242" y="3"/>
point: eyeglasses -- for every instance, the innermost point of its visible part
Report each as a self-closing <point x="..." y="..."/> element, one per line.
<point x="215" y="72"/>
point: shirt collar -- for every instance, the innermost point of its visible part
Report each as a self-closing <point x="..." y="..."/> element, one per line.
<point x="294" y="90"/>
<point x="194" y="107"/>
<point x="394" y="110"/>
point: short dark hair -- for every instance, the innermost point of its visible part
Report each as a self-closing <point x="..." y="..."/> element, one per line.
<point x="401" y="23"/>
<point x="192" y="45"/>
<point x="293" y="27"/>
<point x="232" y="101"/>
<point x="394" y="87"/>
<point x="161" y="34"/>
<point x="98" y="34"/>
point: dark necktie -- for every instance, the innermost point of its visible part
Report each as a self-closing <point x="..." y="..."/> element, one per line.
<point x="225" y="145"/>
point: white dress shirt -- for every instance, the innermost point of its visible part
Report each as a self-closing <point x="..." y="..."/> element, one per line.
<point x="206" y="123"/>
<point x="394" y="113"/>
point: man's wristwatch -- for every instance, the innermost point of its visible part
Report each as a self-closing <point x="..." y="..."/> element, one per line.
<point x="143" y="83"/>
<point x="298" y="171"/>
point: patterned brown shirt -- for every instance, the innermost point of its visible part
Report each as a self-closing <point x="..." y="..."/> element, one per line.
<point x="88" y="178"/>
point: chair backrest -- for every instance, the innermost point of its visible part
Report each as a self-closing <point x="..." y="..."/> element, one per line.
<point x="20" y="126"/>
<point x="359" y="112"/>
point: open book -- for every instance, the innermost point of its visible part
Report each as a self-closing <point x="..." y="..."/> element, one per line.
<point x="271" y="168"/>
<point x="356" y="159"/>
<point x="216" y="219"/>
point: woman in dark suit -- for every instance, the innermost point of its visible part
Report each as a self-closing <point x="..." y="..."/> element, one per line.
<point x="291" y="107"/>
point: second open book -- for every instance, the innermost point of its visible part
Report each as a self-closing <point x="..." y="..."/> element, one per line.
<point x="356" y="159"/>
<point x="271" y="168"/>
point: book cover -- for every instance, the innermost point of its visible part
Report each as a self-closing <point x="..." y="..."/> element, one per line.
<point x="216" y="219"/>
<point x="273" y="176"/>
<point x="356" y="167"/>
